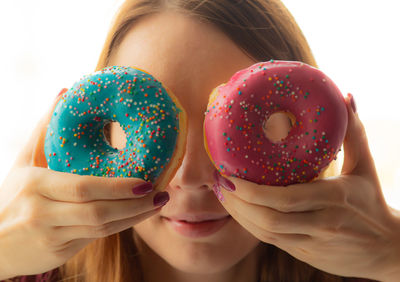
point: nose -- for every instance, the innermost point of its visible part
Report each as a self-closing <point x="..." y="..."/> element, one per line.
<point x="196" y="170"/>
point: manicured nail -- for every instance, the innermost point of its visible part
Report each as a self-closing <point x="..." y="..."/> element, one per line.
<point x="224" y="182"/>
<point x="352" y="103"/>
<point x="218" y="193"/>
<point x="143" y="188"/>
<point x="161" y="198"/>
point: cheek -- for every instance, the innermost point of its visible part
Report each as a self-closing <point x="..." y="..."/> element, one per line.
<point x="206" y="255"/>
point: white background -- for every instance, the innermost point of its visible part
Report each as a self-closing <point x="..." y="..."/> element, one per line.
<point x="47" y="45"/>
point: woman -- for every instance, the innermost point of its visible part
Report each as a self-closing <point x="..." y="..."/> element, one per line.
<point x="329" y="230"/>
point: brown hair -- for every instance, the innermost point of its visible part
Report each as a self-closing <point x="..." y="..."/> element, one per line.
<point x="264" y="30"/>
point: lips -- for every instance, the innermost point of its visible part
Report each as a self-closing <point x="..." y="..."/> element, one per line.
<point x="196" y="229"/>
<point x="194" y="218"/>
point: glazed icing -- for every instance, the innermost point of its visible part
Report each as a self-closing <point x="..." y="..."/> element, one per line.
<point x="237" y="110"/>
<point x="75" y="141"/>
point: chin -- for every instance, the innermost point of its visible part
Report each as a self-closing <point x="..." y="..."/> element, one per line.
<point x="206" y="255"/>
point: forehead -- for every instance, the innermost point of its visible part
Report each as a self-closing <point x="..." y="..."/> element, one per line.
<point x="178" y="50"/>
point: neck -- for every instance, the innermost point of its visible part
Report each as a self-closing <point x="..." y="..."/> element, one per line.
<point x="156" y="269"/>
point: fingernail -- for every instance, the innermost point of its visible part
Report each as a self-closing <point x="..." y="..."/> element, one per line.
<point x="352" y="103"/>
<point x="161" y="198"/>
<point x="224" y="182"/>
<point x="143" y="188"/>
<point x="218" y="193"/>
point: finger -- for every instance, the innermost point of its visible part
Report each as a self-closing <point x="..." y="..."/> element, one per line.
<point x="97" y="213"/>
<point x="266" y="236"/>
<point x="325" y="223"/>
<point x="68" y="187"/>
<point x="274" y="221"/>
<point x="68" y="233"/>
<point x="357" y="156"/>
<point x="282" y="241"/>
<point x="310" y="196"/>
<point x="32" y="153"/>
<point x="72" y="247"/>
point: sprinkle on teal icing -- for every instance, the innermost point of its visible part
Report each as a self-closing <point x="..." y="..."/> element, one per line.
<point x="75" y="141"/>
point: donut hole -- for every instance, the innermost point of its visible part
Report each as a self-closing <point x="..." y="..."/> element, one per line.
<point x="114" y="135"/>
<point x="278" y="125"/>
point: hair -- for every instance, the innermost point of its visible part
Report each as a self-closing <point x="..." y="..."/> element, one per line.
<point x="264" y="30"/>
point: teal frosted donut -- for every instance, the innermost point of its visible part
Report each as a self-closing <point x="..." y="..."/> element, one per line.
<point x="150" y="115"/>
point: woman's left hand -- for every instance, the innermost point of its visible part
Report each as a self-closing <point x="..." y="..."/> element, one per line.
<point x="341" y="225"/>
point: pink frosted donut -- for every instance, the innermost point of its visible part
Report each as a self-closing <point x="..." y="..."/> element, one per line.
<point x="237" y="111"/>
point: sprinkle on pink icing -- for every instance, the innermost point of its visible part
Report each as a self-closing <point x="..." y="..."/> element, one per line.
<point x="234" y="123"/>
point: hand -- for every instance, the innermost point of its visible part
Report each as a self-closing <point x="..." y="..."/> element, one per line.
<point x="46" y="216"/>
<point x="340" y="225"/>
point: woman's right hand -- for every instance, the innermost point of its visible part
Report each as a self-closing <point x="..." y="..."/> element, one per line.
<point x="46" y="216"/>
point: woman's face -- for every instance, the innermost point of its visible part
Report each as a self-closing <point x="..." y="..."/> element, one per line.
<point x="190" y="58"/>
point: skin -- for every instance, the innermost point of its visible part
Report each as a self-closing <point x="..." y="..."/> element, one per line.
<point x="57" y="214"/>
<point x="190" y="58"/>
<point x="327" y="216"/>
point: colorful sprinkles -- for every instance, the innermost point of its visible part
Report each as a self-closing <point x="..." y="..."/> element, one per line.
<point x="75" y="141"/>
<point x="234" y="122"/>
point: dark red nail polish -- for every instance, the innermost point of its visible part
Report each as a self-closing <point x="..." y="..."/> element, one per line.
<point x="224" y="182"/>
<point x="161" y="198"/>
<point x="217" y="192"/>
<point x="143" y="188"/>
<point x="352" y="103"/>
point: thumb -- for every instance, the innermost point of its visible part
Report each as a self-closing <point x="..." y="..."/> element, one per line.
<point x="32" y="153"/>
<point x="357" y="156"/>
